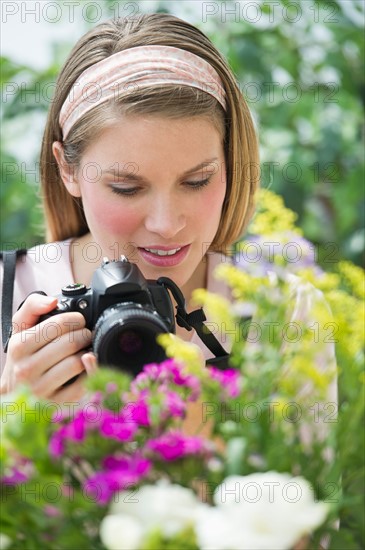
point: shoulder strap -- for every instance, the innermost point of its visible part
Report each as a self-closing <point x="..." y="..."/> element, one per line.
<point x="9" y="258"/>
<point x="196" y="320"/>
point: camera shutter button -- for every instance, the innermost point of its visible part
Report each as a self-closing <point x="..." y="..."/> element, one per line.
<point x="74" y="289"/>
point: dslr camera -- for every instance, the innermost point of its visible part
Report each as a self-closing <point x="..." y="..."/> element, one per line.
<point x="125" y="312"/>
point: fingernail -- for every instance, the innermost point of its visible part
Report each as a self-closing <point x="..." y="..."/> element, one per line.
<point x="89" y="362"/>
<point x="48" y="300"/>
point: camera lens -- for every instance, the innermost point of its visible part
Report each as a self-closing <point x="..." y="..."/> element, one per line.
<point x="130" y="342"/>
<point x="125" y="337"/>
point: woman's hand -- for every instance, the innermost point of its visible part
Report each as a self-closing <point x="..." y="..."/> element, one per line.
<point x="47" y="355"/>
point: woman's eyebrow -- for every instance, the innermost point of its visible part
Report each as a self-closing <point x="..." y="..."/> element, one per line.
<point x="132" y="175"/>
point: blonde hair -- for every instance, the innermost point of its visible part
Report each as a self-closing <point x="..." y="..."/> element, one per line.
<point x="64" y="213"/>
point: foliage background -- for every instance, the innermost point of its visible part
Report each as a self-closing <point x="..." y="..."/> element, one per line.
<point x="300" y="67"/>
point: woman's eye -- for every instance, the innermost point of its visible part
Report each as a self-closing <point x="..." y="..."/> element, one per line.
<point x="125" y="191"/>
<point x="198" y="184"/>
<point x="131" y="191"/>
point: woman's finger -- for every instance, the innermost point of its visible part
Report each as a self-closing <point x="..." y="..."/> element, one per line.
<point x="29" y="341"/>
<point x="56" y="377"/>
<point x="33" y="307"/>
<point x="31" y="367"/>
<point x="89" y="362"/>
<point x="74" y="393"/>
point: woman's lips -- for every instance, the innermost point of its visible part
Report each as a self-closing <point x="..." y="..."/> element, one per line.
<point x="151" y="256"/>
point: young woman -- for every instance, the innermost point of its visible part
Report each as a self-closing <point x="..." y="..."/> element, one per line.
<point x="149" y="151"/>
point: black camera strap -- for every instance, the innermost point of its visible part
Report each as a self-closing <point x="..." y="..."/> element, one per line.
<point x="9" y="258"/>
<point x="195" y="320"/>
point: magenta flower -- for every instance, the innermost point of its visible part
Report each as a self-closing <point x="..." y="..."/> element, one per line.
<point x="121" y="473"/>
<point x="137" y="411"/>
<point x="14" y="477"/>
<point x="57" y="442"/>
<point x="110" y="425"/>
<point x="167" y="372"/>
<point x="101" y="486"/>
<point x="175" y="445"/>
<point x="229" y="380"/>
<point x="175" y="406"/>
<point x="181" y="379"/>
<point x="76" y="430"/>
<point x="111" y="387"/>
<point x="115" y="426"/>
<point x="136" y="465"/>
<point x="73" y="431"/>
<point x="52" y="511"/>
<point x="21" y="470"/>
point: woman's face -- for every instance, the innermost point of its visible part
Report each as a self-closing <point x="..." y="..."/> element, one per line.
<point x="153" y="189"/>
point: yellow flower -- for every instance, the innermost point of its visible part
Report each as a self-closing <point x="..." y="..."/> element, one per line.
<point x="272" y="215"/>
<point x="324" y="282"/>
<point x="243" y="284"/>
<point x="217" y="307"/>
<point x="354" y="277"/>
<point x="348" y="313"/>
<point x="187" y="353"/>
<point x="219" y="311"/>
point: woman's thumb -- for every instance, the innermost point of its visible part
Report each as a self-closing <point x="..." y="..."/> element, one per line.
<point x="32" y="308"/>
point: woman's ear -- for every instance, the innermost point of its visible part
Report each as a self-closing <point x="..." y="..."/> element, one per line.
<point x="67" y="172"/>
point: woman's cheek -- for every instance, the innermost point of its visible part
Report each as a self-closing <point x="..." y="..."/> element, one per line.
<point x="212" y="202"/>
<point x="112" y="218"/>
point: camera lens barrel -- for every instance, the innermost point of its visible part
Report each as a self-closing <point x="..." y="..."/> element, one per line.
<point x="125" y="336"/>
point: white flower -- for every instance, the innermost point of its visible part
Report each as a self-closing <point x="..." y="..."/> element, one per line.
<point x="5" y="541"/>
<point x="270" y="510"/>
<point x="171" y="508"/>
<point x="119" y="532"/>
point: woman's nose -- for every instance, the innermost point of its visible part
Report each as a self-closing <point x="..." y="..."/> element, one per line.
<point x="165" y="216"/>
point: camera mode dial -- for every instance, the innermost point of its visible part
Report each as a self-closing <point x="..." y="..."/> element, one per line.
<point x="74" y="289"/>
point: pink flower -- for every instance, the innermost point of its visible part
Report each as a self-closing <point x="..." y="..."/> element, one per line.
<point x="120" y="473"/>
<point x="76" y="430"/>
<point x="73" y="431"/>
<point x="175" y="406"/>
<point x="57" y="442"/>
<point x="115" y="426"/>
<point x="52" y="511"/>
<point x="21" y="470"/>
<point x="111" y="387"/>
<point x="229" y="380"/>
<point x="169" y="372"/>
<point x="188" y="380"/>
<point x="174" y="445"/>
<point x="14" y="477"/>
<point x="110" y="424"/>
<point x="136" y="412"/>
<point x="136" y="465"/>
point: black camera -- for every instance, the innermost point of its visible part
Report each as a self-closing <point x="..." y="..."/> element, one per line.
<point x="125" y="312"/>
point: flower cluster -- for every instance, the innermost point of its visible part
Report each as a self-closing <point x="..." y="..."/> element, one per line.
<point x="125" y="464"/>
<point x="271" y="213"/>
<point x="141" y="426"/>
<point x="249" y="513"/>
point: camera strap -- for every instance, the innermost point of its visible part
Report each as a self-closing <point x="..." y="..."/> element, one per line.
<point x="195" y="320"/>
<point x="9" y="258"/>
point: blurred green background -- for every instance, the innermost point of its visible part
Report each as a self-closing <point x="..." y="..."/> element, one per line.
<point x="300" y="66"/>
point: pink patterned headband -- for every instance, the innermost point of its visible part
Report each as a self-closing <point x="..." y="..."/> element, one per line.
<point x="139" y="67"/>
